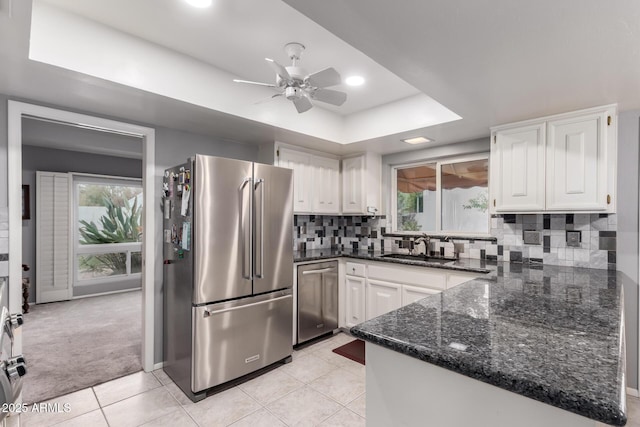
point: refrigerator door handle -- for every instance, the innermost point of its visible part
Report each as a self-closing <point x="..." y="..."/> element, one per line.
<point x="247" y="250"/>
<point x="208" y="313"/>
<point x="259" y="255"/>
<point x="320" y="271"/>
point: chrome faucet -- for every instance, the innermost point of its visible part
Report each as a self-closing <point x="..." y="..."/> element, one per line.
<point x="456" y="246"/>
<point x="427" y="242"/>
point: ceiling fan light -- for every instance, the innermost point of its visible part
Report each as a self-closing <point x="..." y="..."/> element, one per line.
<point x="354" y="80"/>
<point x="417" y="140"/>
<point x="199" y="3"/>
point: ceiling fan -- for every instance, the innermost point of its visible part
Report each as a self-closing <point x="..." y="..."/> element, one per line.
<point x="299" y="87"/>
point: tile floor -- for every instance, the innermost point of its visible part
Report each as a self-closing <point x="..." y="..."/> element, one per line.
<point x="318" y="388"/>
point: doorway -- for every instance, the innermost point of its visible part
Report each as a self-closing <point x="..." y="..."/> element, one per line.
<point x="20" y="110"/>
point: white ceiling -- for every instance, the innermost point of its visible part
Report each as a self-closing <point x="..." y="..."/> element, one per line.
<point x="490" y="61"/>
<point x="498" y="61"/>
<point x="71" y="41"/>
<point x="236" y="36"/>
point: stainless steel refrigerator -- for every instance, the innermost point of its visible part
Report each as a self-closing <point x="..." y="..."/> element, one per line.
<point x="228" y="270"/>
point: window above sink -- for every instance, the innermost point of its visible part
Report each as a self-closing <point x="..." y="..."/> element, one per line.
<point x="448" y="196"/>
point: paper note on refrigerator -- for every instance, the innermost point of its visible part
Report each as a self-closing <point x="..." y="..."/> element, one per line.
<point x="185" y="200"/>
<point x="167" y="209"/>
<point x="186" y="235"/>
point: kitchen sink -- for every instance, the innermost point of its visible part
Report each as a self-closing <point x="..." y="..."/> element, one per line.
<point x="423" y="258"/>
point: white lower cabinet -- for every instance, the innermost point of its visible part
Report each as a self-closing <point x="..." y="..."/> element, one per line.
<point x="354" y="300"/>
<point x="411" y="294"/>
<point x="370" y="289"/>
<point x="382" y="297"/>
<point x="459" y="277"/>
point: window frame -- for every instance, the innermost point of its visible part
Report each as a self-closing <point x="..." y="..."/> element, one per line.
<point x="79" y="250"/>
<point x="438" y="162"/>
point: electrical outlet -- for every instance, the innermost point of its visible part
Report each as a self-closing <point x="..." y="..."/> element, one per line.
<point x="573" y="238"/>
<point x="531" y="237"/>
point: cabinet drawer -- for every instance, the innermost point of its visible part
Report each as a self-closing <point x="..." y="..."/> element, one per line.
<point x="420" y="276"/>
<point x="355" y="269"/>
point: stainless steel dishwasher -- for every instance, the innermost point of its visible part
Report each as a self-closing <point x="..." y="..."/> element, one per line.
<point x="317" y="300"/>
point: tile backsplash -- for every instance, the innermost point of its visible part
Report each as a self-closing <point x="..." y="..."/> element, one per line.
<point x="343" y="232"/>
<point x="593" y="244"/>
<point x="580" y="240"/>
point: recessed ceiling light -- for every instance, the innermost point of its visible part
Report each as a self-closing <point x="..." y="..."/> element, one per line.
<point x="354" y="80"/>
<point x="417" y="140"/>
<point x="199" y="3"/>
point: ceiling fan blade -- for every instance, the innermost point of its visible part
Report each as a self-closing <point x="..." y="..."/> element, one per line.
<point x="279" y="69"/>
<point x="271" y="98"/>
<point x="253" y="83"/>
<point x="329" y="96"/>
<point x="324" y="78"/>
<point x="302" y="104"/>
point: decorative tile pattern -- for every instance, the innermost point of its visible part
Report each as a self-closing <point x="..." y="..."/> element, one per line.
<point x="595" y="246"/>
<point x="575" y="240"/>
<point x="352" y="232"/>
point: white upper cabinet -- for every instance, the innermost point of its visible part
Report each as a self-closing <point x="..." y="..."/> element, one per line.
<point x="302" y="177"/>
<point x="361" y="184"/>
<point x="561" y="163"/>
<point x="316" y="181"/>
<point x="353" y="185"/>
<point x="326" y="185"/>
<point x="517" y="165"/>
<point x="577" y="163"/>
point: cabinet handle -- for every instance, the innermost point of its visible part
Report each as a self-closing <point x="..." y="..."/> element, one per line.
<point x="494" y="203"/>
<point x="608" y="199"/>
<point x="321" y="271"/>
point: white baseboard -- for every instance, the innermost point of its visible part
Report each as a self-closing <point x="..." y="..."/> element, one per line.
<point x="158" y="365"/>
<point x="633" y="392"/>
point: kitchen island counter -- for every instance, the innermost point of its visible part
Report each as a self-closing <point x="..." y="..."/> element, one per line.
<point x="552" y="334"/>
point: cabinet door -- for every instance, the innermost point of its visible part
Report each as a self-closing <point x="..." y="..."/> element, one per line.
<point x="355" y="300"/>
<point x="326" y="185"/>
<point x="455" y="279"/>
<point x="411" y="294"/>
<point x="302" y="178"/>
<point x="576" y="163"/>
<point x="382" y="297"/>
<point x="517" y="164"/>
<point x="353" y="192"/>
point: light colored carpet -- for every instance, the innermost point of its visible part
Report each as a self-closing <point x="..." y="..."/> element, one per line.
<point x="76" y="344"/>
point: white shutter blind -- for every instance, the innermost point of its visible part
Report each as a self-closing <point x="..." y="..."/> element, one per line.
<point x="53" y="273"/>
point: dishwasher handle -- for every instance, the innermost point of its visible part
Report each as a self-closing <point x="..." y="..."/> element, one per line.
<point x="319" y="271"/>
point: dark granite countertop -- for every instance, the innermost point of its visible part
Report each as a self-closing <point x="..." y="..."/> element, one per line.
<point x="553" y="334"/>
<point x="474" y="265"/>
